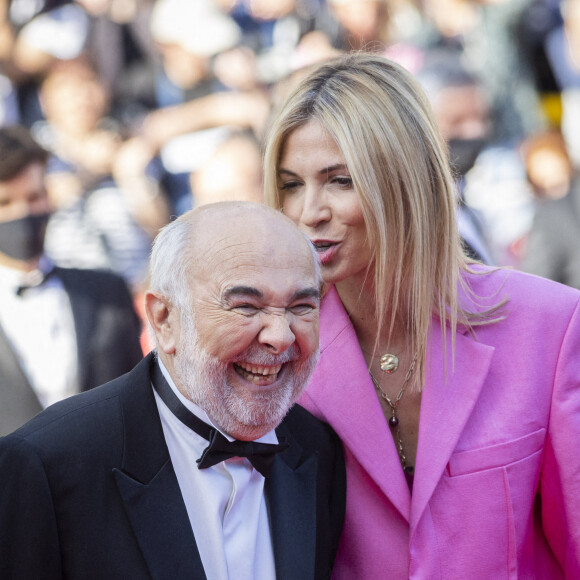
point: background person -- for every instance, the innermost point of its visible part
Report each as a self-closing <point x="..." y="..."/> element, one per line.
<point x="61" y="330"/>
<point x="552" y="247"/>
<point x="106" y="485"/>
<point x="105" y="214"/>
<point x="462" y="114"/>
<point x="460" y="450"/>
<point x="233" y="172"/>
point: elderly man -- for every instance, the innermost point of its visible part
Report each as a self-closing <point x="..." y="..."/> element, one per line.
<point x="120" y="482"/>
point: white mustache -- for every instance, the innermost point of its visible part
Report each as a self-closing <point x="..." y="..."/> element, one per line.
<point x="255" y="355"/>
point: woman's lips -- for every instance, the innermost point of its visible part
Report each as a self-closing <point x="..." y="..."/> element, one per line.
<point x="326" y="250"/>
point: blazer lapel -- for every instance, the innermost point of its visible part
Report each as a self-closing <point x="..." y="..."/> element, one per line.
<point x="83" y="316"/>
<point x="149" y="488"/>
<point x="291" y="493"/>
<point x="445" y="409"/>
<point x="18" y="401"/>
<point x="445" y="406"/>
<point x="344" y="382"/>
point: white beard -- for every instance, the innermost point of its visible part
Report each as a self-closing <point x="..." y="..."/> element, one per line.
<point x="241" y="414"/>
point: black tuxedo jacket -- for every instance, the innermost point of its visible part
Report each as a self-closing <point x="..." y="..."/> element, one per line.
<point x="107" y="332"/>
<point x="89" y="492"/>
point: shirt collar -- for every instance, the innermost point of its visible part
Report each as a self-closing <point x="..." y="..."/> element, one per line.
<point x="11" y="279"/>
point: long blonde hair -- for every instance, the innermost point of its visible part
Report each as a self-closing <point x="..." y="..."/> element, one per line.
<point x="382" y="122"/>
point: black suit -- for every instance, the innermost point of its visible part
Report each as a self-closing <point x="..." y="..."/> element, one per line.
<point x="107" y="332"/>
<point x="89" y="492"/>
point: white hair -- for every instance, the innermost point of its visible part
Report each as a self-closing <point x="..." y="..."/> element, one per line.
<point x="170" y="262"/>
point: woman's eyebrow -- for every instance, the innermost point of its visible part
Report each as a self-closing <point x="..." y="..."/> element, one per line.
<point x="323" y="171"/>
<point x="335" y="167"/>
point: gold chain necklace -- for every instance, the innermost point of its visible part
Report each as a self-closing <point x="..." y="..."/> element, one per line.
<point x="393" y="419"/>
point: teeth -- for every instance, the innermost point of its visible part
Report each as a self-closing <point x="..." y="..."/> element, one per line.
<point x="259" y="369"/>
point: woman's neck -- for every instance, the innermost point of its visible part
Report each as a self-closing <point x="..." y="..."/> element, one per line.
<point x="358" y="299"/>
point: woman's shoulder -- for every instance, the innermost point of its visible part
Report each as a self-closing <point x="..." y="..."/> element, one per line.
<point x="486" y="287"/>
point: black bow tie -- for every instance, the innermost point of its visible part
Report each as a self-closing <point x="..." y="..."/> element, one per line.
<point x="36" y="279"/>
<point x="260" y="455"/>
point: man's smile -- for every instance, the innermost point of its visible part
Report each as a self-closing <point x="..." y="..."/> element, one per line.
<point x="258" y="374"/>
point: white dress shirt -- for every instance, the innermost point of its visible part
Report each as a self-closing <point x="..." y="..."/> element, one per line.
<point x="225" y="503"/>
<point x="40" y="328"/>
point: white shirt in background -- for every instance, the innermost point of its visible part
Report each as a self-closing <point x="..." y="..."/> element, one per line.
<point x="40" y="328"/>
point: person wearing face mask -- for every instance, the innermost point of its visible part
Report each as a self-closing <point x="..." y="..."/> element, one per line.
<point x="61" y="330"/>
<point x="462" y="113"/>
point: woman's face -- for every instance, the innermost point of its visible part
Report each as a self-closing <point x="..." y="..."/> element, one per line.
<point x="318" y="194"/>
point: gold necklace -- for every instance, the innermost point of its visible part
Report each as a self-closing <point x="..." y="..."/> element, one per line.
<point x="389" y="363"/>
<point x="393" y="419"/>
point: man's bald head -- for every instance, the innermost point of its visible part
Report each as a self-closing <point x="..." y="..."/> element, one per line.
<point x="195" y="241"/>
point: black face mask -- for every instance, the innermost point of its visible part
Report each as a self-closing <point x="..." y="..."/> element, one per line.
<point x="23" y="239"/>
<point x="463" y="153"/>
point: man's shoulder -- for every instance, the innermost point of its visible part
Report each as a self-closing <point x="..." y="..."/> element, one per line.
<point x="97" y="287"/>
<point x="80" y="416"/>
<point x="97" y="282"/>
<point x="94" y="415"/>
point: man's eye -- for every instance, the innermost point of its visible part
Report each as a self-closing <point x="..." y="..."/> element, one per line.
<point x="301" y="309"/>
<point x="246" y="309"/>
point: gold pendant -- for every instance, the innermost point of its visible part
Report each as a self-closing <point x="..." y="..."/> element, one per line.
<point x="389" y="363"/>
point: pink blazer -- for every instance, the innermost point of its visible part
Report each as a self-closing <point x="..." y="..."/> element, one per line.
<point x="497" y="477"/>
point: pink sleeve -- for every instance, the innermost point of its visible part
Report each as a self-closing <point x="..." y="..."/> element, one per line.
<point x="560" y="476"/>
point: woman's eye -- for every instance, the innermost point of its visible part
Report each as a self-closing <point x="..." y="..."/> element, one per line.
<point x="289" y="185"/>
<point x="345" y="182"/>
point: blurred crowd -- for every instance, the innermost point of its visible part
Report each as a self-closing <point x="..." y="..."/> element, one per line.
<point x="149" y="107"/>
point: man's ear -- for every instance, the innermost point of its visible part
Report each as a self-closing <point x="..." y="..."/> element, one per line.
<point x="163" y="320"/>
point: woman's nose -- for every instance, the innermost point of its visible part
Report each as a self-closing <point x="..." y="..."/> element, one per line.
<point x="315" y="209"/>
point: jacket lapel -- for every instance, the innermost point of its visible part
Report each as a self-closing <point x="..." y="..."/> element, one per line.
<point x="18" y="401"/>
<point x="149" y="489"/>
<point x="291" y="493"/>
<point x="83" y="315"/>
<point x="445" y="406"/>
<point x="344" y="382"/>
<point x="445" y="409"/>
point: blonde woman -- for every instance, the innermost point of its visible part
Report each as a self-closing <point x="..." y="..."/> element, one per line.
<point x="455" y="388"/>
